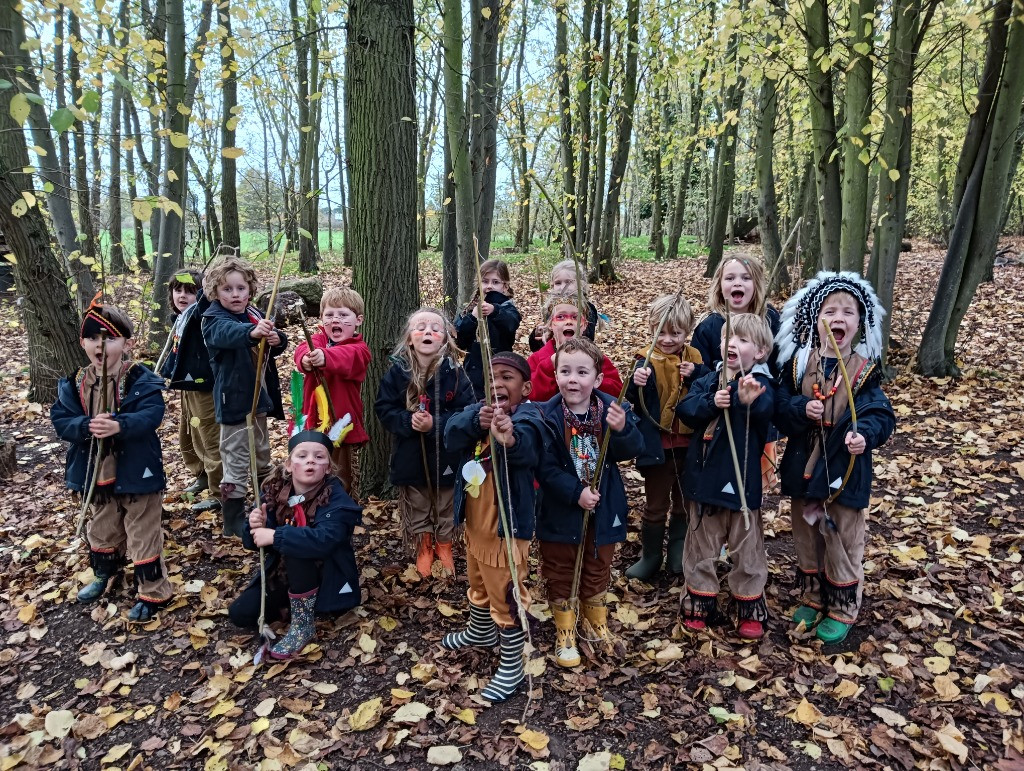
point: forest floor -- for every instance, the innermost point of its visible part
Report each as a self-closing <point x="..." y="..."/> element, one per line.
<point x="932" y="677"/>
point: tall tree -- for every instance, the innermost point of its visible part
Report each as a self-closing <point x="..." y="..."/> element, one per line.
<point x="228" y="123"/>
<point x="487" y="22"/>
<point x="381" y="145"/>
<point x="565" y="135"/>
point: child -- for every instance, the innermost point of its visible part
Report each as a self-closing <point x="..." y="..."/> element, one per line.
<point x="518" y="430"/>
<point x="306" y="523"/>
<point x="739" y="285"/>
<point x="563" y="281"/>
<point x="658" y="389"/>
<point x="717" y="515"/>
<point x="232" y="329"/>
<point x="120" y="445"/>
<point x="188" y="370"/>
<point x="564" y="323"/>
<point x="502" y="320"/>
<point x="341" y="357"/>
<point x="576" y="420"/>
<point x="827" y="465"/>
<point x="419" y="393"/>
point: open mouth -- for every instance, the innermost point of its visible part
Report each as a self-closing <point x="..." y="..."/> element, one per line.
<point x="737" y="296"/>
<point x="567" y="333"/>
<point x="732" y="357"/>
<point x="501" y="399"/>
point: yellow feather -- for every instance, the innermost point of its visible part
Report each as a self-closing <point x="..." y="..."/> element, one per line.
<point x="321" y="409"/>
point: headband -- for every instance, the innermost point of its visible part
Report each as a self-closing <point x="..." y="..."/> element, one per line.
<point x="310" y="436"/>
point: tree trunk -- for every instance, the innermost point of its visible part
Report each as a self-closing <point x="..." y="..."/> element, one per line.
<point x="683" y="186"/>
<point x="381" y="145"/>
<point x="973" y="241"/>
<point x="823" y="126"/>
<point x="87" y="227"/>
<point x="50" y="318"/>
<point x="565" y="138"/>
<point x="657" y="241"/>
<point x="458" y="139"/>
<point x="764" y="170"/>
<point x="595" y="221"/>
<point x="228" y="122"/>
<point x="483" y="91"/>
<point x="623" y="133"/>
<point x="585" y="99"/>
<point x="522" y="241"/>
<point x="856" y="149"/>
<point x="426" y="150"/>
<point x="449" y="237"/>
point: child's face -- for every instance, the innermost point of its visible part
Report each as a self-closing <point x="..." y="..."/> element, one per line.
<point x="183" y="296"/>
<point x="737" y="286"/>
<point x="671" y="341"/>
<point x="742" y="353"/>
<point x="233" y="292"/>
<point x="491" y="282"/>
<point x="842" y="312"/>
<point x="577" y="377"/>
<point x="564" y="281"/>
<point x="509" y="385"/>
<point x="340" y="323"/>
<point x="426" y="334"/>
<point x="115" y="348"/>
<point x="564" y="323"/>
<point x="308" y="464"/>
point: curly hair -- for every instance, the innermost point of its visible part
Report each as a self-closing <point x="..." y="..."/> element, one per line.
<point x="219" y="270"/>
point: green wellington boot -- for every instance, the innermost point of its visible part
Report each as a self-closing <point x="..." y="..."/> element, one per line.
<point x="677" y="527"/>
<point x="651" y="539"/>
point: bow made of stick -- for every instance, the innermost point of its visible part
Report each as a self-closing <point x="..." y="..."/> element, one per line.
<point x="250" y="427"/>
<point x="99" y="444"/>
<point x="740" y="482"/>
<point x="853" y="408"/>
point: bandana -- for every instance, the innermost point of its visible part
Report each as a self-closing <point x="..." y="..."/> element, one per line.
<point x="94" y="324"/>
<point x="310" y="436"/>
<point x="513" y="360"/>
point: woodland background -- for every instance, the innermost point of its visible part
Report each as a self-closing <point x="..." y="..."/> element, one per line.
<point x="374" y="142"/>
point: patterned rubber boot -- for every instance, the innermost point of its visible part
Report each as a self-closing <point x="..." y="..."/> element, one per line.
<point x="651" y="539"/>
<point x="596" y="613"/>
<point x="511" y="670"/>
<point x="302" y="629"/>
<point x="566" y="653"/>
<point x="482" y="632"/>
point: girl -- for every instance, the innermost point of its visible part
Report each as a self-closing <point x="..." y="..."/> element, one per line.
<point x="188" y="370"/>
<point x="563" y="281"/>
<point x="424" y="387"/>
<point x="739" y="286"/>
<point x="502" y="320"/>
<point x="306" y="523"/>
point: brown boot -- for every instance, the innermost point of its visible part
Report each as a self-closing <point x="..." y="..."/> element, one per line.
<point x="425" y="554"/>
<point x="596" y="613"/>
<point x="443" y="550"/>
<point x="566" y="653"/>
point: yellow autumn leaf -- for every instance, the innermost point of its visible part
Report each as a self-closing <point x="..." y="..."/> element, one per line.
<point x="401" y="693"/>
<point x="325" y="689"/>
<point x="467" y="716"/>
<point x="538" y="740"/>
<point x="387" y="623"/>
<point x="196" y="422"/>
<point x="366" y="643"/>
<point x="846" y="689"/>
<point x="937" y="665"/>
<point x="446" y="610"/>
<point x="260" y="725"/>
<point x="944" y="648"/>
<point x="115" y="753"/>
<point x="805" y="713"/>
<point x="29" y="198"/>
<point x="141" y="209"/>
<point x="179" y="140"/>
<point x="993" y="697"/>
<point x="27" y="613"/>
<point x="19" y="208"/>
<point x="20" y="108"/>
<point x="485" y="12"/>
<point x="222" y="707"/>
<point x="232" y="152"/>
<point x="366" y="715"/>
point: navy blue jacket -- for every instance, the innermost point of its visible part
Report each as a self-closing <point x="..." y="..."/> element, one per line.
<point x="710" y="476"/>
<point x="234" y="370"/>
<point x="448" y="392"/>
<point x="328" y="539"/>
<point x="502" y="325"/>
<point x="707" y="338"/>
<point x="140" y="469"/>
<point x="461" y="436"/>
<point x="561" y="519"/>
<point x="875" y="421"/>
<point x="653" y="453"/>
<point x="188" y="367"/>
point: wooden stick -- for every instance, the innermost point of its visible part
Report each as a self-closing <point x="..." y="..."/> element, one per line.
<point x="99" y="444"/>
<point x="740" y="482"/>
<point x="853" y="408"/>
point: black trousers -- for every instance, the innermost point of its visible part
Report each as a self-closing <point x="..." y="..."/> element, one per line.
<point x="301" y="576"/>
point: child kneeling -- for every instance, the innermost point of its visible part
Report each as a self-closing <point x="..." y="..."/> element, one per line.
<point x="306" y="521"/>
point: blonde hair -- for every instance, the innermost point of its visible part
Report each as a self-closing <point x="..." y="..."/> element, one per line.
<point x="755" y="329"/>
<point x="561" y="299"/>
<point x="406" y="358"/>
<point x="759" y="300"/>
<point x="342" y="297"/>
<point x="219" y="271"/>
<point x="675" y="310"/>
<point x="578" y="276"/>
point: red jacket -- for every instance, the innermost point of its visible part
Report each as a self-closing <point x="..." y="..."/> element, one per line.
<point x="542" y="373"/>
<point x="344" y="372"/>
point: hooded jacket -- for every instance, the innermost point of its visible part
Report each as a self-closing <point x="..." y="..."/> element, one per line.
<point x="344" y="371"/>
<point x="188" y="364"/>
<point x="707" y="338"/>
<point x="136" y="447"/>
<point x="560" y="517"/>
<point x="502" y="325"/>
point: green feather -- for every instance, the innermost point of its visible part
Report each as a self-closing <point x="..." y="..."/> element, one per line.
<point x="298" y="384"/>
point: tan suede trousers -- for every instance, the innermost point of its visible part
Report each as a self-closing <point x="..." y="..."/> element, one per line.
<point x="130" y="525"/>
<point x="831" y="562"/>
<point x="200" y="444"/>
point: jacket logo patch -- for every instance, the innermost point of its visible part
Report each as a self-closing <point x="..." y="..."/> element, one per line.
<point x="729" y="488"/>
<point x="449" y="396"/>
<point x="147" y="473"/>
<point x="836" y="484"/>
<point x="617" y="521"/>
<point x="346" y="589"/>
<point x="188" y="377"/>
<point x="447" y="471"/>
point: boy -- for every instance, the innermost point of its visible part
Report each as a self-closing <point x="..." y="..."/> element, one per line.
<point x="575" y="422"/>
<point x="232" y="330"/>
<point x="827" y="466"/>
<point x="188" y="370"/>
<point x="518" y="430"/>
<point x="657" y="389"/>
<point x="718" y="516"/>
<point x="120" y="445"/>
<point x="564" y="322"/>
<point x="340" y="356"/>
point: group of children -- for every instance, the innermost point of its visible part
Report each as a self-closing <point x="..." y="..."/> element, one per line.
<point x="535" y="457"/>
